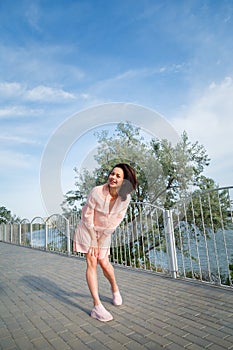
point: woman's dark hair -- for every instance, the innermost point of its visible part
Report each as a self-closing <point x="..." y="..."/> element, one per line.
<point x="130" y="180"/>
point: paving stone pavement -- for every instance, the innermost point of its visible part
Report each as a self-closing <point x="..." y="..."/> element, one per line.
<point x="45" y="304"/>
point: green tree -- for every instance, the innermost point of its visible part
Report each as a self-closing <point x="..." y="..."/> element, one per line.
<point x="6" y="216"/>
<point x="165" y="172"/>
<point x="125" y="145"/>
<point x="75" y="199"/>
<point x="182" y="166"/>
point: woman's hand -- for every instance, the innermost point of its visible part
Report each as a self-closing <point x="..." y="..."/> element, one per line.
<point x="94" y="249"/>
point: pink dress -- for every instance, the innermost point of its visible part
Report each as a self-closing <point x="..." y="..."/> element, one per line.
<point x="96" y="215"/>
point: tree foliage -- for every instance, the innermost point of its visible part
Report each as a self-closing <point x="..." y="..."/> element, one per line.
<point x="165" y="172"/>
<point x="182" y="166"/>
<point x="6" y="216"/>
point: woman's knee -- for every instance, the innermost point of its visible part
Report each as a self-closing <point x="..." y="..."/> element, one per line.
<point x="91" y="261"/>
<point x="104" y="264"/>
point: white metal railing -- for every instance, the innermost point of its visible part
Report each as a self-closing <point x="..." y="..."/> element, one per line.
<point x="145" y="240"/>
<point x="203" y="229"/>
<point x="52" y="233"/>
<point x="194" y="240"/>
<point x="139" y="241"/>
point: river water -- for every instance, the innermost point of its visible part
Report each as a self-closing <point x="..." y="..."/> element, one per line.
<point x="210" y="256"/>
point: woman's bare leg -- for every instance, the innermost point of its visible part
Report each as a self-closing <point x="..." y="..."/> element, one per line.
<point x="99" y="312"/>
<point x="91" y="277"/>
<point x="109" y="273"/>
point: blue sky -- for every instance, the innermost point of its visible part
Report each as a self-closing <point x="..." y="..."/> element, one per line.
<point x="58" y="57"/>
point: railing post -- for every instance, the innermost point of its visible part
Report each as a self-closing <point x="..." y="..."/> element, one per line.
<point x="46" y="235"/>
<point x="1" y="235"/>
<point x="170" y="242"/>
<point x="11" y="233"/>
<point x="20" y="233"/>
<point x="30" y="234"/>
<point x="68" y="236"/>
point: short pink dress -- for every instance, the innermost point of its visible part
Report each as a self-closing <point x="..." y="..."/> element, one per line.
<point x="96" y="215"/>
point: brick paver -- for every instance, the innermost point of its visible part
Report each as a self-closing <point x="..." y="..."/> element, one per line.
<point x="45" y="304"/>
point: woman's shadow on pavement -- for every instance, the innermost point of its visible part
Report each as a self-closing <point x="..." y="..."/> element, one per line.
<point x="44" y="285"/>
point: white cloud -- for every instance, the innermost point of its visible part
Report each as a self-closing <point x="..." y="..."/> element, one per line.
<point x="11" y="89"/>
<point x="18" y="111"/>
<point x="145" y="72"/>
<point x="17" y="139"/>
<point x="45" y="93"/>
<point x="33" y="15"/>
<point x="39" y="93"/>
<point x="209" y="121"/>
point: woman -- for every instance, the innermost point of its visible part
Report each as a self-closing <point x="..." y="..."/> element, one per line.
<point x="104" y="210"/>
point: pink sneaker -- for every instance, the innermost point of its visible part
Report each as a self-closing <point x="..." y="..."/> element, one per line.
<point x="100" y="313"/>
<point x="117" y="299"/>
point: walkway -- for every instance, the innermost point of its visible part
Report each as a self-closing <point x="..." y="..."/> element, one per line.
<point x="45" y="304"/>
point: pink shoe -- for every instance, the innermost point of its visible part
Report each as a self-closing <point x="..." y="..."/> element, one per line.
<point x="100" y="313"/>
<point x="117" y="299"/>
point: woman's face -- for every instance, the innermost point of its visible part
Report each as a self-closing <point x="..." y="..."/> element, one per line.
<point x="116" y="178"/>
